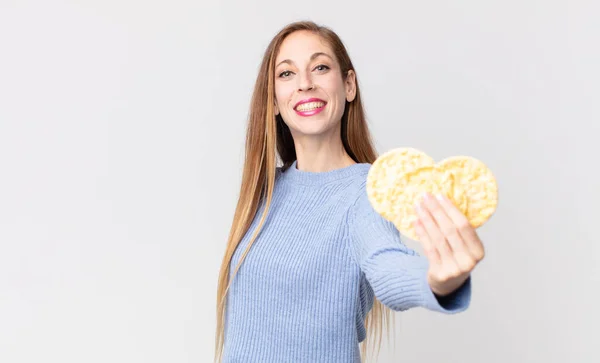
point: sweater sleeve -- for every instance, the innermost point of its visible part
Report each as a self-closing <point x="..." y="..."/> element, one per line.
<point x="397" y="274"/>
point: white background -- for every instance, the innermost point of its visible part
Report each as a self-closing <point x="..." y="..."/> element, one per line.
<point x="121" y="137"/>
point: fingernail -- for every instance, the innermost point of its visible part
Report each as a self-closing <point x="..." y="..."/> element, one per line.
<point x="439" y="197"/>
<point x="418" y="206"/>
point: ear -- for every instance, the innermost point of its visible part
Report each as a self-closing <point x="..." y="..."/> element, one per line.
<point x="350" y="83"/>
<point x="276" y="109"/>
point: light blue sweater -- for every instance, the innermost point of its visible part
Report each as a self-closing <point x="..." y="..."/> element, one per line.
<point x="308" y="282"/>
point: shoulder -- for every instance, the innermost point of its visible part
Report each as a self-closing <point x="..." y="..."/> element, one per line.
<point x="360" y="200"/>
<point x="362" y="212"/>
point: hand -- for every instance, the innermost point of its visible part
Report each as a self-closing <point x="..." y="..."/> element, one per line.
<point x="451" y="244"/>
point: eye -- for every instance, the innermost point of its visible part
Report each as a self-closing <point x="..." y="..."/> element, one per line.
<point x="322" y="67"/>
<point x="284" y="74"/>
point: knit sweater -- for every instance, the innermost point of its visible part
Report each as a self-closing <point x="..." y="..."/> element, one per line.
<point x="308" y="282"/>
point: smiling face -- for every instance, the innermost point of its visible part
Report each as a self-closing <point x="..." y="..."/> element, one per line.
<point x="310" y="91"/>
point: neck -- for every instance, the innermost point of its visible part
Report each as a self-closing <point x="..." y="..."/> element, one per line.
<point x="321" y="153"/>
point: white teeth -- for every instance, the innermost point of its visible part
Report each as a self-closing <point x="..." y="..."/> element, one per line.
<point x="310" y="106"/>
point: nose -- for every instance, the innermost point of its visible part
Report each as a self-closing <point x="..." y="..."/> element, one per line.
<point x="305" y="83"/>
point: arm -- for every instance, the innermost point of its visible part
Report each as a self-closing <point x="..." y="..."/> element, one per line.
<point x="397" y="274"/>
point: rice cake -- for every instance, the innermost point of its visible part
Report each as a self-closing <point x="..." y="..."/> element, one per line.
<point x="387" y="169"/>
<point x="398" y="179"/>
<point x="477" y="183"/>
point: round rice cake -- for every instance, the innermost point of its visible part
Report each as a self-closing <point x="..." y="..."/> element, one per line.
<point x="409" y="189"/>
<point x="476" y="181"/>
<point x="387" y="169"/>
<point x="398" y="179"/>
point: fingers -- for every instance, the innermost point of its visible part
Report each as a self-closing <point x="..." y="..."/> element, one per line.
<point x="430" y="251"/>
<point x="428" y="213"/>
<point x="449" y="232"/>
<point x="463" y="228"/>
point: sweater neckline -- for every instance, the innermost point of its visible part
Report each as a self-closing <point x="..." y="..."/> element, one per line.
<point x="314" y="178"/>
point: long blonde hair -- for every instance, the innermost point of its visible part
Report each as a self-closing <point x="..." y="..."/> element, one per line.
<point x="268" y="136"/>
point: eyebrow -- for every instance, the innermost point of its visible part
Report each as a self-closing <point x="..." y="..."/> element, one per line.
<point x="312" y="57"/>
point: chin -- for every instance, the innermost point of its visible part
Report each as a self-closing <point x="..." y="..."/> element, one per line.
<point x="313" y="125"/>
<point x="311" y="130"/>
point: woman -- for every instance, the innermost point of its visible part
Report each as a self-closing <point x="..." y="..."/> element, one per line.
<point x="326" y="270"/>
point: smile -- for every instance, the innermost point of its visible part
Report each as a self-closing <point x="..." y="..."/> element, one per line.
<point x="310" y="107"/>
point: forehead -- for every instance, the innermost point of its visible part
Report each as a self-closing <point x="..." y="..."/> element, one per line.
<point x="300" y="45"/>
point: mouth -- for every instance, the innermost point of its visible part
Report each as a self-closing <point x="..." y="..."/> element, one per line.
<point x="310" y="106"/>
